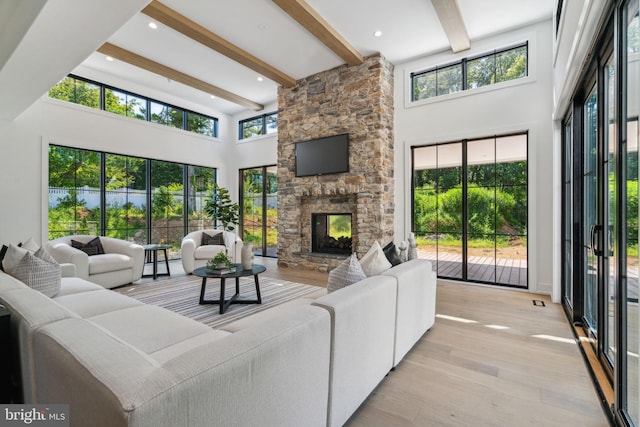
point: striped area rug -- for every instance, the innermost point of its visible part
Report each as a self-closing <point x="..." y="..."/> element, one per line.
<point x="181" y="295"/>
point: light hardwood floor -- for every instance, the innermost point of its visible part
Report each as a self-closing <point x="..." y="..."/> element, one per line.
<point x="491" y="359"/>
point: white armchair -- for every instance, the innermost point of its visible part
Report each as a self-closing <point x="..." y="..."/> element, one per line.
<point x="122" y="262"/>
<point x="195" y="255"/>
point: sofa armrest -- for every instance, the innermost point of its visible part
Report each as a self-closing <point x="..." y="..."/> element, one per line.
<point x="66" y="254"/>
<point x="187" y="250"/>
<point x="363" y="329"/>
<point x="68" y="270"/>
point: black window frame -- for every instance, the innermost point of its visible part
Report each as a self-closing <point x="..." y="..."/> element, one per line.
<point x="147" y="105"/>
<point x="262" y="118"/>
<point x="464" y="65"/>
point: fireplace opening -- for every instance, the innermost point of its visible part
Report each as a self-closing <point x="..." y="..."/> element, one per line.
<point x="331" y="233"/>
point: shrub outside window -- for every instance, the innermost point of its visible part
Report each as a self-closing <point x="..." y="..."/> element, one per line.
<point x="498" y="66"/>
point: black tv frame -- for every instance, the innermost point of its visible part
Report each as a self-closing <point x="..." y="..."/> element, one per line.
<point x="319" y="156"/>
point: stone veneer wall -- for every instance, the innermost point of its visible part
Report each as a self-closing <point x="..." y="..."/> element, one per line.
<point x="357" y="100"/>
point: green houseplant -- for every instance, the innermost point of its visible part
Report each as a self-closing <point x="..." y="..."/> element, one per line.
<point x="221" y="209"/>
<point x="219" y="262"/>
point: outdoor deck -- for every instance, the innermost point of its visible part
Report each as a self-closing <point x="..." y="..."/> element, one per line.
<point x="505" y="271"/>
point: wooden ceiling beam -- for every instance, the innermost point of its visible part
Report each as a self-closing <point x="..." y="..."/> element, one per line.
<point x="197" y="32"/>
<point x="316" y="25"/>
<point x="448" y="12"/>
<point x="178" y="76"/>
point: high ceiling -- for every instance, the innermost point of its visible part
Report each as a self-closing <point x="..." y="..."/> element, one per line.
<point x="256" y="29"/>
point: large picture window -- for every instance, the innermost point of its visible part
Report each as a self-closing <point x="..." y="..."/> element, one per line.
<point x="470" y="208"/>
<point x="130" y="198"/>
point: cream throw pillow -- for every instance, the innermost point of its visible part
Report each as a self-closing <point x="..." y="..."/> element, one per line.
<point x="374" y="261"/>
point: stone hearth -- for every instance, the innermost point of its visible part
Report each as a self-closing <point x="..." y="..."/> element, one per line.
<point x="356" y="100"/>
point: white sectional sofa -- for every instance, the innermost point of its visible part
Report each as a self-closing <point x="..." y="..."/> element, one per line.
<point x="311" y="362"/>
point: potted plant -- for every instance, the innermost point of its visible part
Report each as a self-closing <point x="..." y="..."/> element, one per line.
<point x="222" y="210"/>
<point x="220" y="262"/>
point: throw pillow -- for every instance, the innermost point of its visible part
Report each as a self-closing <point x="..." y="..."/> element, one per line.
<point x="92" y="247"/>
<point x="391" y="252"/>
<point x="3" y="252"/>
<point x="374" y="262"/>
<point x="12" y="258"/>
<point x="348" y="272"/>
<point x="216" y="239"/>
<point x="38" y="274"/>
<point x="30" y="245"/>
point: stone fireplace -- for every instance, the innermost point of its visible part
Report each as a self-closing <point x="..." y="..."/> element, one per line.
<point x="356" y="100"/>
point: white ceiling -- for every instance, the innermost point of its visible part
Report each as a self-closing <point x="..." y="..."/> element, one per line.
<point x="410" y="29"/>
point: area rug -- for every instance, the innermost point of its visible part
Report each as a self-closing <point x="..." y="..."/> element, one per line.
<point x="182" y="294"/>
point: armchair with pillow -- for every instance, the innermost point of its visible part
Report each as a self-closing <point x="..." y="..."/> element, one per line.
<point x="107" y="261"/>
<point x="200" y="246"/>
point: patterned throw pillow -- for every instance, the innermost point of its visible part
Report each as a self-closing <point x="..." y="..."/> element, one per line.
<point x="216" y="239"/>
<point x="347" y="273"/>
<point x="92" y="247"/>
<point x="391" y="252"/>
<point x="39" y="274"/>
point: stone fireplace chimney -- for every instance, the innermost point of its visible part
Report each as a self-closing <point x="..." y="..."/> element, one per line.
<point x="356" y="100"/>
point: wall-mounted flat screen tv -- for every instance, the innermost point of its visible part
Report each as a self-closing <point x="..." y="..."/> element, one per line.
<point x="323" y="156"/>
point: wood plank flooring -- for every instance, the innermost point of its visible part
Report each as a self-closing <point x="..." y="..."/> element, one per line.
<point x="491" y="359"/>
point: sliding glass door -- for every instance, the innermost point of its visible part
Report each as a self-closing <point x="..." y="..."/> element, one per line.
<point x="470" y="208"/>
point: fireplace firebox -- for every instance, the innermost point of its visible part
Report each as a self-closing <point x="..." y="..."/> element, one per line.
<point x="331" y="233"/>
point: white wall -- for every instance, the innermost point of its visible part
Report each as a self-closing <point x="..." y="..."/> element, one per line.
<point x="516" y="106"/>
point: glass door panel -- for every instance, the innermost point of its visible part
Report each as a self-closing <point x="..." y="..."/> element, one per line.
<point x="591" y="228"/>
<point x="567" y="213"/>
<point x="609" y="212"/>
<point x="449" y="210"/>
<point x="631" y="110"/>
<point x="259" y="203"/>
<point x="271" y="211"/>
<point x="252" y="185"/>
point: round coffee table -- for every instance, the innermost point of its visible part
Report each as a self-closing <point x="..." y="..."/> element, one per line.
<point x="224" y="304"/>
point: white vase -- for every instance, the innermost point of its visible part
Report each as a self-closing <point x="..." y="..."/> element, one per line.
<point x="247" y="256"/>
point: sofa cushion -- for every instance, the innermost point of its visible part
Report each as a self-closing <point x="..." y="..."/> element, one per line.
<point x="75" y="285"/>
<point x="374" y="261"/>
<point x="109" y="262"/>
<point x="40" y="272"/>
<point x="348" y="272"/>
<point x="208" y="252"/>
<point x="264" y="315"/>
<point x="92" y="247"/>
<point x="95" y="303"/>
<point x="155" y="328"/>
<point x="212" y="239"/>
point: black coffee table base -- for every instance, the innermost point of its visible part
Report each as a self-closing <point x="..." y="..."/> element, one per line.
<point x="225" y="303"/>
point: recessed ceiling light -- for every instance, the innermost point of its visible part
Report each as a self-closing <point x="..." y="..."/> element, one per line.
<point x="260" y="78"/>
<point x="153" y="25"/>
<point x="109" y="58"/>
<point x="378" y="33"/>
<point x="212" y="97"/>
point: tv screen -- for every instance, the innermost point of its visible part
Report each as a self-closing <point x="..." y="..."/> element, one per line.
<point x="323" y="155"/>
